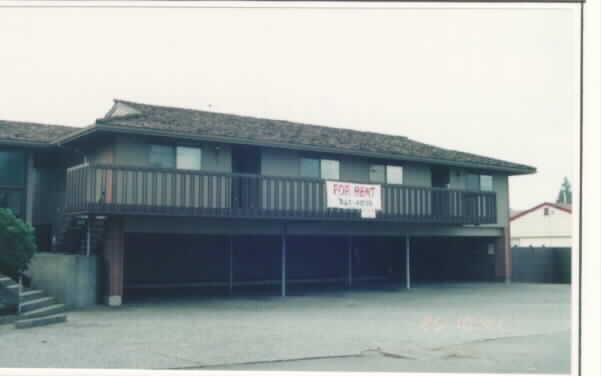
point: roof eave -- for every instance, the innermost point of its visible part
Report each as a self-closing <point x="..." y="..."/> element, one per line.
<point x="101" y="126"/>
<point x="26" y="144"/>
<point x="74" y="135"/>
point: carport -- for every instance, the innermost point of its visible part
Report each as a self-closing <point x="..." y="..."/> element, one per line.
<point x="219" y="264"/>
<point x="230" y="264"/>
<point x="453" y="259"/>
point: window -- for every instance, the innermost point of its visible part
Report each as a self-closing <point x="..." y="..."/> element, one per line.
<point x="377" y="174"/>
<point x="385" y="174"/>
<point x="162" y="156"/>
<point x="476" y="182"/>
<point x="12" y="168"/>
<point x="310" y="168"/>
<point x="330" y="169"/>
<point x="486" y="183"/>
<point x="181" y="157"/>
<point x="472" y="182"/>
<point x="394" y="174"/>
<point x="188" y="158"/>
<point x="547" y="211"/>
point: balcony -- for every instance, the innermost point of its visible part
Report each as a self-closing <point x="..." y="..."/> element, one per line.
<point x="125" y="190"/>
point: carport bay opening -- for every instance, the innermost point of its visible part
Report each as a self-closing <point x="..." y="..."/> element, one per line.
<point x="292" y="263"/>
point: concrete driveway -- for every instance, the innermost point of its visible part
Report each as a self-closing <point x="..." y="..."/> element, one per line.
<point x="450" y="327"/>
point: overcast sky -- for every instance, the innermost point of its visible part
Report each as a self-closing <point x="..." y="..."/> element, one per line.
<point x="498" y="81"/>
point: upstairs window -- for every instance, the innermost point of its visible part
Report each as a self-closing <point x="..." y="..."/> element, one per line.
<point x="188" y="158"/>
<point x="377" y="174"/>
<point x="385" y="174"/>
<point x="181" y="157"/>
<point x="394" y="174"/>
<point x="486" y="183"/>
<point x="12" y="168"/>
<point x="309" y="168"/>
<point x="330" y="169"/>
<point x="474" y="182"/>
<point x="162" y="156"/>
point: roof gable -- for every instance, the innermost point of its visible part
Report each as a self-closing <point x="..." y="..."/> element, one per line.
<point x="561" y="207"/>
<point x="121" y="109"/>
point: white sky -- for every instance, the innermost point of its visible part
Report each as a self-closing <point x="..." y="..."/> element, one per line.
<point x="498" y="81"/>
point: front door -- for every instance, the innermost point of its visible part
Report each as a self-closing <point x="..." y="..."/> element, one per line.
<point x="246" y="165"/>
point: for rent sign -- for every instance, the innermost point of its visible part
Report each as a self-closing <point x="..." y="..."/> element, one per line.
<point x="365" y="197"/>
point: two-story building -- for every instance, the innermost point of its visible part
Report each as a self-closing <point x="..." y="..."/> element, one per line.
<point x="174" y="198"/>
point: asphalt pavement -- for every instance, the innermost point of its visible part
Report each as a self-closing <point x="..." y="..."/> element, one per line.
<point x="447" y="327"/>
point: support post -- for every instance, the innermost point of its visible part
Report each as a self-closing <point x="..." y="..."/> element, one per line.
<point x="350" y="262"/>
<point x="30" y="183"/>
<point x="283" y="292"/>
<point x="231" y="277"/>
<point x="503" y="257"/>
<point x="88" y="237"/>
<point x="113" y="256"/>
<point x="408" y="262"/>
<point x="507" y="251"/>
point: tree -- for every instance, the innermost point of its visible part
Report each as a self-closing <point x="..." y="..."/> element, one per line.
<point x="17" y="244"/>
<point x="565" y="193"/>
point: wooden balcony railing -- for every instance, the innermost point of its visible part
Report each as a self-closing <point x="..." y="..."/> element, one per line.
<point x="111" y="189"/>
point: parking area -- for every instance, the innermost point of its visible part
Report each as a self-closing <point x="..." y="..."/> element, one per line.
<point x="477" y="327"/>
<point x="168" y="264"/>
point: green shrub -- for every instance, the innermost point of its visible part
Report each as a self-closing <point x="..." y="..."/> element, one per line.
<point x="17" y="244"/>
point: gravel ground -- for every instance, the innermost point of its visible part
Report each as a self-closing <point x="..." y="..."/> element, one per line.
<point x="453" y="327"/>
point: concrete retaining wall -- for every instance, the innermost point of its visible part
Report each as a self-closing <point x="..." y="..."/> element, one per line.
<point x="71" y="279"/>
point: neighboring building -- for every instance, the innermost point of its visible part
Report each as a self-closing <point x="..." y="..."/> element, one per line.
<point x="33" y="173"/>
<point x="172" y="197"/>
<point x="545" y="225"/>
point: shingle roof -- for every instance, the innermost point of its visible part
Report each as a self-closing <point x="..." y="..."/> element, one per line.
<point x="16" y="132"/>
<point x="564" y="207"/>
<point x="187" y="122"/>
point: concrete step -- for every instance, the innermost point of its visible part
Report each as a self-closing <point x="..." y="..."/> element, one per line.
<point x="5" y="281"/>
<point x="44" y="311"/>
<point x="40" y="321"/>
<point x="29" y="295"/>
<point x="14" y="288"/>
<point x="37" y="303"/>
<point x="7" y="319"/>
